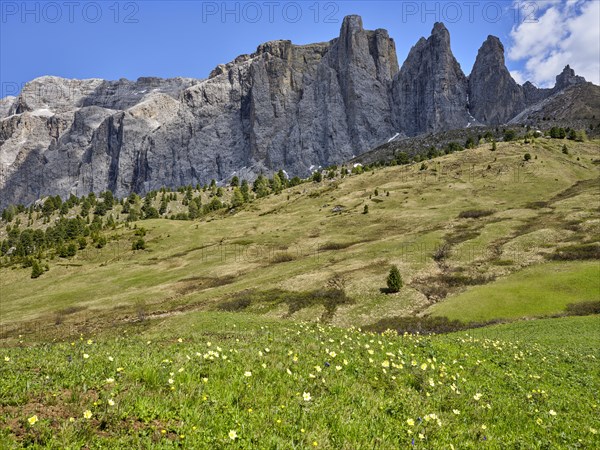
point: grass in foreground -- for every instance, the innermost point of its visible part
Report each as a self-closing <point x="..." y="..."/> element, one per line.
<point x="239" y="381"/>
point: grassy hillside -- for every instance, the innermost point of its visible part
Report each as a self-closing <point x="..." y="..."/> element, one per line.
<point x="188" y="343"/>
<point x="220" y="380"/>
<point x="541" y="289"/>
<point x="462" y="228"/>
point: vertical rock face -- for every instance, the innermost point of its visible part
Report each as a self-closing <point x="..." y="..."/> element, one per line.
<point x="284" y="106"/>
<point x="494" y="97"/>
<point x="430" y="91"/>
<point x="534" y="94"/>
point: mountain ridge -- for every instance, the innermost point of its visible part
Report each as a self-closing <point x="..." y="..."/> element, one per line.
<point x="286" y="106"/>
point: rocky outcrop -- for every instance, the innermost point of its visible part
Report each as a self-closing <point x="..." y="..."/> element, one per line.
<point x="283" y="106"/>
<point x="577" y="106"/>
<point x="5" y="106"/>
<point x="430" y="92"/>
<point x="494" y="97"/>
<point x="567" y="78"/>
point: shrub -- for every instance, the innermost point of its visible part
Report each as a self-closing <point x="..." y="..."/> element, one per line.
<point x="281" y="258"/>
<point x="565" y="150"/>
<point x="402" y="158"/>
<point x="470" y="142"/>
<point x="453" y="147"/>
<point x="577" y="252"/>
<point x="36" y="269"/>
<point x="475" y="213"/>
<point x="583" y="308"/>
<point x="335" y="245"/>
<point x="558" y="133"/>
<point x="236" y="304"/>
<point x="510" y="135"/>
<point x="394" y="280"/>
<point x="526" y="157"/>
<point x="100" y="242"/>
<point x="366" y="209"/>
<point x="138" y="244"/>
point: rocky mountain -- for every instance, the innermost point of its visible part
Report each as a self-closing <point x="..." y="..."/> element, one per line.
<point x="284" y="106"/>
<point x="577" y="106"/>
<point x="494" y="97"/>
<point x="430" y="93"/>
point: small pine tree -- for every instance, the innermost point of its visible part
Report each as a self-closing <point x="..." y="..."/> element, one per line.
<point x="494" y="146"/>
<point x="565" y="150"/>
<point x="138" y="244"/>
<point x="366" y="209"/>
<point x="36" y="269"/>
<point x="394" y="280"/>
<point x="527" y="157"/>
<point x="237" y="199"/>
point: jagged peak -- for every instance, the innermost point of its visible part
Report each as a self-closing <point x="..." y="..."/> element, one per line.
<point x="439" y="27"/>
<point x="440" y="36"/>
<point x="567" y="78"/>
<point x="352" y="23"/>
<point x="490" y="52"/>
<point x="493" y="41"/>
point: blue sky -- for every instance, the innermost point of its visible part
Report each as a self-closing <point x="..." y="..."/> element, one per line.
<point x="128" y="39"/>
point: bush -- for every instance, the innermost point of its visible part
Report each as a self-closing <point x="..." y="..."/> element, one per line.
<point x="402" y="158"/>
<point x="36" y="269"/>
<point x="100" y="242"/>
<point x="366" y="209"/>
<point x="583" y="308"/>
<point x="281" y="258"/>
<point x="577" y="252"/>
<point x="237" y="304"/>
<point x="558" y="133"/>
<point x="475" y="213"/>
<point x="510" y="135"/>
<point x="453" y="147"/>
<point x="526" y="157"/>
<point x="139" y="244"/>
<point x="335" y="246"/>
<point x="394" y="280"/>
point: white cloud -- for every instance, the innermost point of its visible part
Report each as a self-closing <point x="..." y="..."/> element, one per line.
<point x="566" y="32"/>
<point x="517" y="76"/>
